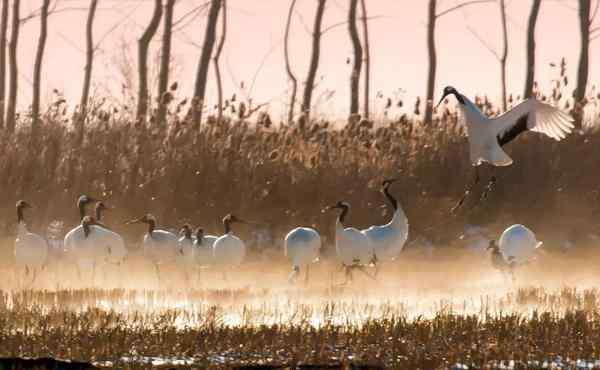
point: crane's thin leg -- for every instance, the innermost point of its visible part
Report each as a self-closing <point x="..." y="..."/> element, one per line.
<point x="468" y="191"/>
<point x="306" y="276"/>
<point x="157" y="272"/>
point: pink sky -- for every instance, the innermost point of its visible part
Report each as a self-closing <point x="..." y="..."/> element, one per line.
<point x="255" y="33"/>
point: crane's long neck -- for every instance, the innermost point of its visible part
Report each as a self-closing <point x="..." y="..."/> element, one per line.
<point x="86" y="228"/>
<point x="20" y="215"/>
<point x="390" y="197"/>
<point x="81" y="207"/>
<point x="151" y="226"/>
<point x="199" y="237"/>
<point x="227" y="225"/>
<point x="21" y="227"/>
<point x="187" y="234"/>
<point x="98" y="214"/>
<point x="343" y="214"/>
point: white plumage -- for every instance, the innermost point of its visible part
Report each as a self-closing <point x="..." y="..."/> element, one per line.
<point x="203" y="248"/>
<point x="517" y="243"/>
<point x="302" y="246"/>
<point x="160" y="246"/>
<point x="31" y="250"/>
<point x="487" y="136"/>
<point x="185" y="257"/>
<point x="228" y="249"/>
<point x="115" y="249"/>
<point x="352" y="246"/>
<point x="388" y="240"/>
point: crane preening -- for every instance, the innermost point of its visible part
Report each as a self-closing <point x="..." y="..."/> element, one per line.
<point x="516" y="247"/>
<point x="488" y="136"/>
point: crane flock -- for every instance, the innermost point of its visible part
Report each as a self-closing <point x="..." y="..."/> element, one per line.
<point x="92" y="245"/>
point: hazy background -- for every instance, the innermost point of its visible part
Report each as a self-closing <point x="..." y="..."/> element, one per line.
<point x="254" y="48"/>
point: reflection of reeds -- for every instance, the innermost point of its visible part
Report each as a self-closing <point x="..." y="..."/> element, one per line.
<point x="69" y="324"/>
<point x="180" y="171"/>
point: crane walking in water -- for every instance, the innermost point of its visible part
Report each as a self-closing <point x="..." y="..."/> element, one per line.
<point x="302" y="246"/>
<point x="388" y="240"/>
<point x="488" y="136"/>
<point x="160" y="246"/>
<point x="353" y="248"/>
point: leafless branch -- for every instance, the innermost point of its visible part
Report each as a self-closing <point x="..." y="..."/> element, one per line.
<point x="303" y="22"/>
<point x="343" y="23"/>
<point x="483" y="42"/>
<point x="462" y="5"/>
<point x="595" y="12"/>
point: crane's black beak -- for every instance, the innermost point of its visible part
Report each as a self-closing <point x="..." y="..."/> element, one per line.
<point x="442" y="99"/>
<point x="134" y="221"/>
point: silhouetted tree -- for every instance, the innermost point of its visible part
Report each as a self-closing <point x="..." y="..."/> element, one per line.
<point x="14" y="72"/>
<point x="37" y="68"/>
<point x="89" y="60"/>
<point x="165" y="61"/>
<point x="357" y="62"/>
<point x="432" y="17"/>
<point x="216" y="62"/>
<point x="207" y="50"/>
<point x="143" y="46"/>
<point x="3" y="32"/>
<point x="530" y="70"/>
<point x="288" y="67"/>
<point x="367" y="54"/>
<point x="585" y="22"/>
<point x="504" y="55"/>
<point x="314" y="59"/>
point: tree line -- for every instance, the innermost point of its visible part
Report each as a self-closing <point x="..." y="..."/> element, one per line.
<point x="357" y="24"/>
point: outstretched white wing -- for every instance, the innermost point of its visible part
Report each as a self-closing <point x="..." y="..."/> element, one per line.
<point x="532" y="115"/>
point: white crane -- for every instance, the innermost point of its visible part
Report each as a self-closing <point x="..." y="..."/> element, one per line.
<point x="185" y="257"/>
<point x="228" y="249"/>
<point x="31" y="250"/>
<point x="487" y="136"/>
<point x="302" y="246"/>
<point x="203" y="250"/>
<point x="353" y="248"/>
<point x="519" y="244"/>
<point x="87" y="251"/>
<point x="499" y="262"/>
<point x="116" y="250"/>
<point x="388" y="240"/>
<point x="160" y="246"/>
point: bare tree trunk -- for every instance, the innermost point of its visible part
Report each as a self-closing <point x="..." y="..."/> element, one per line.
<point x="143" y="46"/>
<point x="89" y="60"/>
<point x="3" y="31"/>
<point x="357" y="62"/>
<point x="504" y="55"/>
<point x="207" y="49"/>
<point x="288" y="67"/>
<point x="165" y="61"/>
<point x="314" y="60"/>
<point x="530" y="71"/>
<point x="367" y="54"/>
<point x="582" y="70"/>
<point x="216" y="62"/>
<point x="37" y="68"/>
<point x="11" y="109"/>
<point x="432" y="17"/>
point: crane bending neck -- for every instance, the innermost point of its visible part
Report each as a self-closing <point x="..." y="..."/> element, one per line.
<point x="343" y="214"/>
<point x="390" y="197"/>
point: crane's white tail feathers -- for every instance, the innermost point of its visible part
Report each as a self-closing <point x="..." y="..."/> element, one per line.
<point x="492" y="154"/>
